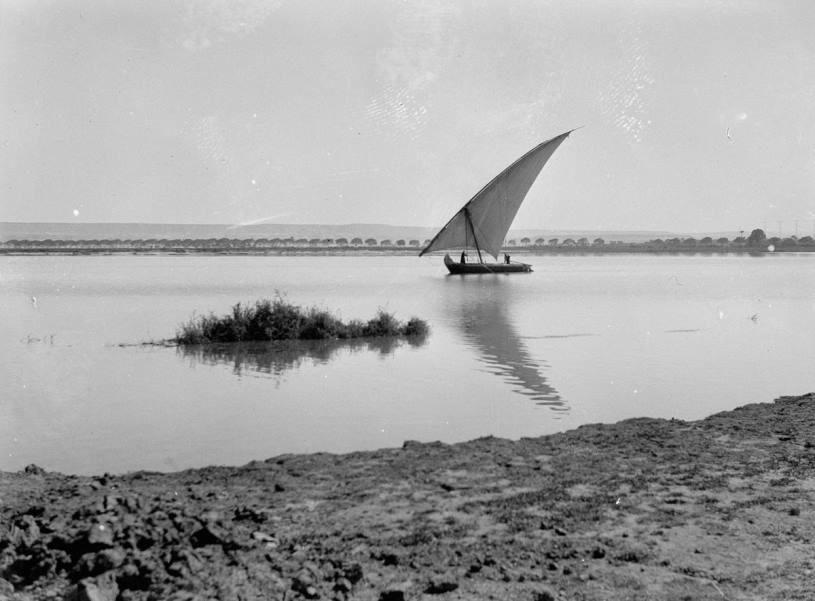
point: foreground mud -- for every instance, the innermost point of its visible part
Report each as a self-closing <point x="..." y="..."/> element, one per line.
<point x="644" y="509"/>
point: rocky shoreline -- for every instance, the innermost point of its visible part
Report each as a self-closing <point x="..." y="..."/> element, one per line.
<point x="719" y="508"/>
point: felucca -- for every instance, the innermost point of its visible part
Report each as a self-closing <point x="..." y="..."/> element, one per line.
<point x="484" y="221"/>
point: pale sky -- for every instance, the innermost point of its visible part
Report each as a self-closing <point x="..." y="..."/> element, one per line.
<point x="698" y="115"/>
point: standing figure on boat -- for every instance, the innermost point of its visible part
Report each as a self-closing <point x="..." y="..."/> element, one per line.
<point x="463" y="257"/>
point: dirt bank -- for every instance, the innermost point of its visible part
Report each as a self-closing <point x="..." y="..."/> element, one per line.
<point x="644" y="509"/>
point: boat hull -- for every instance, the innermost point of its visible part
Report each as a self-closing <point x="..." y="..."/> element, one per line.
<point x="457" y="268"/>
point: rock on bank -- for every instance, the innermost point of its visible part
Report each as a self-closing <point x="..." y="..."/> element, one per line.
<point x="643" y="509"/>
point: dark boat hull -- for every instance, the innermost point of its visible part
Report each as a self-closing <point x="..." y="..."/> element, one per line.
<point x="457" y="268"/>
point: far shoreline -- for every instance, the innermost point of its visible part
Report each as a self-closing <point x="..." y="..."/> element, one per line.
<point x="618" y="249"/>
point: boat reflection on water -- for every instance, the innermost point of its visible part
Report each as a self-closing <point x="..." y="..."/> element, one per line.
<point x="484" y="322"/>
<point x="276" y="358"/>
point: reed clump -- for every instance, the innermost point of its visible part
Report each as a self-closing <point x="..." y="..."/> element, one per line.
<point x="278" y="319"/>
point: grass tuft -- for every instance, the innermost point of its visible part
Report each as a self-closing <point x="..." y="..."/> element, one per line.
<point x="280" y="320"/>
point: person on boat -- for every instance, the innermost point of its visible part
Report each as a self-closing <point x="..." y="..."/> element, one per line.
<point x="463" y="257"/>
<point x="506" y="258"/>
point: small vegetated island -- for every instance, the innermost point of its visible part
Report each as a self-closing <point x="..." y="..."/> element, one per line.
<point x="278" y="319"/>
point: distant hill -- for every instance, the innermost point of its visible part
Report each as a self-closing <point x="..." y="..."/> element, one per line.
<point x="132" y="231"/>
<point x="145" y="231"/>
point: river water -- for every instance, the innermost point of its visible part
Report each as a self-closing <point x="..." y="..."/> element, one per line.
<point x="581" y="339"/>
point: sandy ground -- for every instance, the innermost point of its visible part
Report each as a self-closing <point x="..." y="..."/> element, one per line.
<point x="716" y="509"/>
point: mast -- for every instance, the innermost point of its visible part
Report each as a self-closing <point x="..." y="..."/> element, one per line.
<point x="472" y="230"/>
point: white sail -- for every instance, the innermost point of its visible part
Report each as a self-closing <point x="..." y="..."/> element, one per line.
<point x="484" y="221"/>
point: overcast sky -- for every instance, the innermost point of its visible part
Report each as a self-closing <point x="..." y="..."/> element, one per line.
<point x="698" y="115"/>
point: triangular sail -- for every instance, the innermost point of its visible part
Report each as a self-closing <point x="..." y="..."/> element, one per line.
<point x="488" y="214"/>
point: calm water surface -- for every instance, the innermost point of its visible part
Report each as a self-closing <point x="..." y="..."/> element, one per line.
<point x="582" y="339"/>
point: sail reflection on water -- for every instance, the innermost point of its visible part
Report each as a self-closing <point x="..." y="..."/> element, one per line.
<point x="484" y="323"/>
<point x="276" y="358"/>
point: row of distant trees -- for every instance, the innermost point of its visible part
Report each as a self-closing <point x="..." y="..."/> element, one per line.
<point x="213" y="243"/>
<point x="757" y="240"/>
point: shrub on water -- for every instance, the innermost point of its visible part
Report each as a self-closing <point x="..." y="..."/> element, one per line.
<point x="237" y="327"/>
<point x="215" y="330"/>
<point x="415" y="327"/>
<point x="284" y="321"/>
<point x="319" y="325"/>
<point x="189" y="333"/>
<point x="260" y="321"/>
<point x="280" y="320"/>
<point x="220" y="330"/>
<point x="384" y="324"/>
<point x="197" y="330"/>
<point x="354" y="329"/>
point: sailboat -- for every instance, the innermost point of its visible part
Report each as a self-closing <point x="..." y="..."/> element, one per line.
<point x="483" y="223"/>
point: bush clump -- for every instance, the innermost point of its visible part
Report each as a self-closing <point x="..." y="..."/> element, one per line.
<point x="280" y="320"/>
